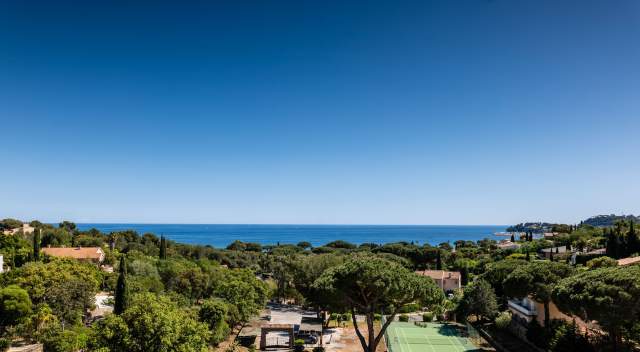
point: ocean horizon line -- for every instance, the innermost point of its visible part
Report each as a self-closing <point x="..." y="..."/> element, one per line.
<point x="267" y="224"/>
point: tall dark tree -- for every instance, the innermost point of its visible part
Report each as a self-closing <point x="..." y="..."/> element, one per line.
<point x="633" y="243"/>
<point x="513" y="238"/>
<point x="464" y="275"/>
<point x="36" y="245"/>
<point x="612" y="243"/>
<point x="438" y="261"/>
<point x="480" y="300"/>
<point x="163" y="248"/>
<point x="122" y="291"/>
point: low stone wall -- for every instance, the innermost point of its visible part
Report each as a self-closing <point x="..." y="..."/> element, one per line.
<point x="28" y="348"/>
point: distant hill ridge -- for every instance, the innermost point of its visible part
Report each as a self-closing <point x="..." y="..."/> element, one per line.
<point x="609" y="220"/>
<point x="598" y="221"/>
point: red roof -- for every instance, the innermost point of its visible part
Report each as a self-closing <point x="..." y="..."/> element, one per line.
<point x="439" y="274"/>
<point x="628" y="261"/>
<point x="95" y="253"/>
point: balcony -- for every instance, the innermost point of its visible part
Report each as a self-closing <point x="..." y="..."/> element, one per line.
<point x="517" y="306"/>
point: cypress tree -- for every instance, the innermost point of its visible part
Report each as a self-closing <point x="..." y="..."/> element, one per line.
<point x="513" y="238"/>
<point x="163" y="248"/>
<point x="36" y="245"/>
<point x="122" y="291"/>
<point x="610" y="251"/>
<point x="528" y="256"/>
<point x="632" y="240"/>
<point x="551" y="255"/>
<point x="617" y="246"/>
<point x="438" y="261"/>
<point x="464" y="275"/>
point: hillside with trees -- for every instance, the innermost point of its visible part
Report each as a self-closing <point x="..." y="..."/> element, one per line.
<point x="610" y="220"/>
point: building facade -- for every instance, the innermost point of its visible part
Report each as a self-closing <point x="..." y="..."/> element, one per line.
<point x="446" y="280"/>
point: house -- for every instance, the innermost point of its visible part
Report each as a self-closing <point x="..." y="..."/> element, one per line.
<point x="90" y="254"/>
<point x="1" y="264"/>
<point x="506" y="244"/>
<point x="628" y="261"/>
<point x="546" y="252"/>
<point x="524" y="310"/>
<point x="446" y="280"/>
<point x="26" y="229"/>
<point x="102" y="305"/>
<point x="599" y="251"/>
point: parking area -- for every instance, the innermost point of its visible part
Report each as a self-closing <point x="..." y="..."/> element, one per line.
<point x="305" y="323"/>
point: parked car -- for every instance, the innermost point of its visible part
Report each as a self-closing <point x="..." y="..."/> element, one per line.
<point x="308" y="338"/>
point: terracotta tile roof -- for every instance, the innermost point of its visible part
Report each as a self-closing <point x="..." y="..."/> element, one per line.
<point x="598" y="251"/>
<point x="75" y="252"/>
<point x="628" y="261"/>
<point x="440" y="274"/>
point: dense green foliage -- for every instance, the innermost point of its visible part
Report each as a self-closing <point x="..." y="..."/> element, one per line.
<point x="610" y="296"/>
<point x="213" y="312"/>
<point x="151" y="323"/>
<point x="609" y="220"/>
<point x="479" y="300"/>
<point x="188" y="298"/>
<point x="184" y="302"/>
<point x="15" y="305"/>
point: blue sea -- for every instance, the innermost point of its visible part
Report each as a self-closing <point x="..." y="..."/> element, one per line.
<point x="221" y="235"/>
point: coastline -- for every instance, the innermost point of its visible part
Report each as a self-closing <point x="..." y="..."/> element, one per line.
<point x="220" y="235"/>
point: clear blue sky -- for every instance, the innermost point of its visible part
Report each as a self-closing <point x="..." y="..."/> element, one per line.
<point x="394" y="112"/>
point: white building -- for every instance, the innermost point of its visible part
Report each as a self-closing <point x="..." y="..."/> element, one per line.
<point x="1" y="264"/>
<point x="25" y="229"/>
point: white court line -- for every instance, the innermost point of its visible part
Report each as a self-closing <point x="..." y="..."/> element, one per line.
<point x="457" y="343"/>
<point x="398" y="337"/>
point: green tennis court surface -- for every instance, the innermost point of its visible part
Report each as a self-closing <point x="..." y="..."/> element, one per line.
<point x="407" y="337"/>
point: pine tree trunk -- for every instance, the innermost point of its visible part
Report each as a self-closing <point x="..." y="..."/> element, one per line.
<point x="546" y="316"/>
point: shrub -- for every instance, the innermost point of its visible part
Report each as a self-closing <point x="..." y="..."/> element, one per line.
<point x="318" y="349"/>
<point x="428" y="316"/>
<point x="346" y="316"/>
<point x="503" y="320"/>
<point x="298" y="345"/>
<point x="540" y="336"/>
<point x="403" y="317"/>
<point x="567" y="337"/>
<point x="410" y="308"/>
<point x="377" y="317"/>
<point x="602" y="262"/>
<point x="536" y="334"/>
<point x="4" y="344"/>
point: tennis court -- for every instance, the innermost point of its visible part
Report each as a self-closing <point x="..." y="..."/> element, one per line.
<point x="431" y="337"/>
